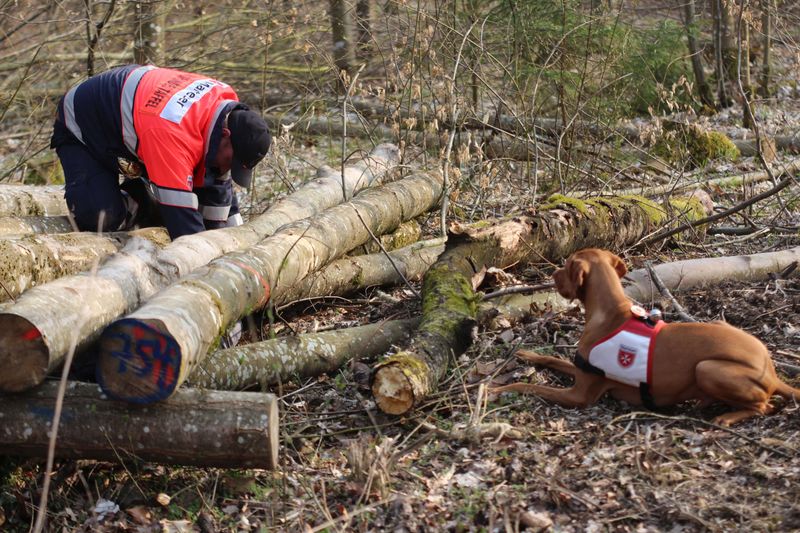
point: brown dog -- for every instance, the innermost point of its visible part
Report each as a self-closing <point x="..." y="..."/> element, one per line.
<point x="684" y="361"/>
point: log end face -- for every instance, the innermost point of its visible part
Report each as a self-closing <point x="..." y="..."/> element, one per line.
<point x="24" y="356"/>
<point x="139" y="361"/>
<point x="392" y="390"/>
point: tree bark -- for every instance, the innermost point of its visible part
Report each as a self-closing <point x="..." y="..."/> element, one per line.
<point x="766" y="61"/>
<point x="33" y="260"/>
<point x="681" y="275"/>
<point x="449" y="304"/>
<point x="186" y="320"/>
<point x="34" y="340"/>
<point x="36" y="200"/>
<point x="16" y="225"/>
<point x="342" y="47"/>
<point x="352" y="273"/>
<point x="406" y="234"/>
<point x="148" y="32"/>
<point x="202" y="428"/>
<point x="297" y="357"/>
<point x="695" y="53"/>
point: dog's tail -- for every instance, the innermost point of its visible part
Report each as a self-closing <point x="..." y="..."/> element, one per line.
<point x="787" y="391"/>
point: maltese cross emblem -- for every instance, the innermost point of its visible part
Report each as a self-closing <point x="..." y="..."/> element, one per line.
<point x="626" y="356"/>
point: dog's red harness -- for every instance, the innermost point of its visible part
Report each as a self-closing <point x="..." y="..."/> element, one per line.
<point x="625" y="354"/>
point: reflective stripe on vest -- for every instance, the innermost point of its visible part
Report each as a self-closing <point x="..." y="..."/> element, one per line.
<point x="129" y="136"/>
<point x="235" y="220"/>
<point x="217" y="213"/>
<point x="69" y="113"/>
<point x="172" y="197"/>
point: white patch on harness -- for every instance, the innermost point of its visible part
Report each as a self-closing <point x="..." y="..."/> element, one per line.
<point x="623" y="357"/>
<point x="180" y="102"/>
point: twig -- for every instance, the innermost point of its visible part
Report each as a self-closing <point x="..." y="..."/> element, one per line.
<point x="723" y="214"/>
<point x="666" y="294"/>
<point x="519" y="289"/>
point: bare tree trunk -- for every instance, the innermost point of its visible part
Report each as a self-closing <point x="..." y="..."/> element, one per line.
<point x="148" y="33"/>
<point x="203" y="428"/>
<point x="748" y="118"/>
<point x="766" y="27"/>
<point x="304" y="356"/>
<point x="32" y="200"/>
<point x="212" y="298"/>
<point x="34" y="340"/>
<point x="33" y="260"/>
<point x="364" y="28"/>
<point x="449" y="304"/>
<point x="94" y="30"/>
<point x="696" y="55"/>
<point x="342" y="47"/>
<point x="724" y="50"/>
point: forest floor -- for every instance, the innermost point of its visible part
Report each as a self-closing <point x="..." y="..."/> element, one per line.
<point x="610" y="467"/>
<point x="346" y="466"/>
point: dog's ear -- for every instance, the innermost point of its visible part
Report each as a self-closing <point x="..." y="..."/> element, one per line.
<point x="569" y="280"/>
<point x="619" y="265"/>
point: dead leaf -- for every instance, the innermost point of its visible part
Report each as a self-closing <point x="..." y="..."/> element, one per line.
<point x="140" y="514"/>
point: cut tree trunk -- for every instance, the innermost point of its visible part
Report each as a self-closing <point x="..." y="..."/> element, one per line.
<point x="352" y="273"/>
<point x="34" y="340"/>
<point x="202" y="428"/>
<point x="36" y="200"/>
<point x="449" y="304"/>
<point x="682" y="275"/>
<point x="147" y="355"/>
<point x="30" y="224"/>
<point x="33" y="260"/>
<point x="297" y="357"/>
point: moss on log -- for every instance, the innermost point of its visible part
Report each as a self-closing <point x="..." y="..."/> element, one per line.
<point x="297" y="357"/>
<point x="31" y="260"/>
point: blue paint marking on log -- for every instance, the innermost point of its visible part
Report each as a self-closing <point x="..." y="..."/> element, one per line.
<point x="147" y="353"/>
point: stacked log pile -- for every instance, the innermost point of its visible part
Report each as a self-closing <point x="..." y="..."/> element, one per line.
<point x="154" y="311"/>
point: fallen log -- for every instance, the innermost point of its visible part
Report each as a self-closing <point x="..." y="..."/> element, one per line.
<point x="36" y="200"/>
<point x="746" y="178"/>
<point x="145" y="356"/>
<point x="682" y="275"/>
<point x="13" y="225"/>
<point x="449" y="303"/>
<point x="297" y="357"/>
<point x="34" y="339"/>
<point x="352" y="273"/>
<point x="201" y="428"/>
<point x="32" y="260"/>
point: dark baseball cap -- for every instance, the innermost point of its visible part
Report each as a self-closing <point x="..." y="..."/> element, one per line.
<point x="250" y="139"/>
